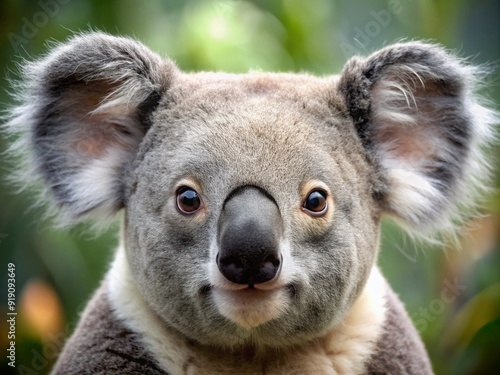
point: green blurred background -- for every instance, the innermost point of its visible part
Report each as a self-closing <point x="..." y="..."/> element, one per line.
<point x="452" y="295"/>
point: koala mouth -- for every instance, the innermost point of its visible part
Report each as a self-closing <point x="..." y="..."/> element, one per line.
<point x="252" y="304"/>
<point x="249" y="306"/>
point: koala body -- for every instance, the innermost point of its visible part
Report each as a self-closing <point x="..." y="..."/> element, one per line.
<point x="252" y="203"/>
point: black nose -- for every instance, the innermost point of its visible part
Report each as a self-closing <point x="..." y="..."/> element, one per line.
<point x="250" y="228"/>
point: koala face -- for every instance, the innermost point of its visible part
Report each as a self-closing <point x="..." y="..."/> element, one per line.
<point x="252" y="202"/>
<point x="277" y="180"/>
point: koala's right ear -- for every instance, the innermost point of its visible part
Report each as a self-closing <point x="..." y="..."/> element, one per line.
<point x="83" y="111"/>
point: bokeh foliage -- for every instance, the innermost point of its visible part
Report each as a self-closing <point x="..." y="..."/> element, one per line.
<point x="452" y="295"/>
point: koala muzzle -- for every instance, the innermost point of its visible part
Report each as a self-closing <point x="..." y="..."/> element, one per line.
<point x="249" y="233"/>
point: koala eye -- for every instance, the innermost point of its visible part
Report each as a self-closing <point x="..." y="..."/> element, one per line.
<point x="188" y="200"/>
<point x="315" y="203"/>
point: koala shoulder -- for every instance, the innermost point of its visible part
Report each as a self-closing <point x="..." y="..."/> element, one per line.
<point x="101" y="343"/>
<point x="399" y="349"/>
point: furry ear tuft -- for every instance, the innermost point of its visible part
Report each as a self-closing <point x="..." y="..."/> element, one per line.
<point x="417" y="113"/>
<point x="82" y="112"/>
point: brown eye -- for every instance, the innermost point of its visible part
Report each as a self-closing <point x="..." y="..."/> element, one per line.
<point x="188" y="200"/>
<point x="315" y="203"/>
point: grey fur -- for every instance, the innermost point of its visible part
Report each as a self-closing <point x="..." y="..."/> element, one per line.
<point x="145" y="127"/>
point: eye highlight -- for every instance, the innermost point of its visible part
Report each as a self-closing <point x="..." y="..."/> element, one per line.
<point x="316" y="204"/>
<point x="188" y="200"/>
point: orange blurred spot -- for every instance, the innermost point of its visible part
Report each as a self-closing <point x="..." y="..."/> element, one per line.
<point x="40" y="309"/>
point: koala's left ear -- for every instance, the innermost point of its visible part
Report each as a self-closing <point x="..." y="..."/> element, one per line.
<point x="83" y="111"/>
<point x="415" y="111"/>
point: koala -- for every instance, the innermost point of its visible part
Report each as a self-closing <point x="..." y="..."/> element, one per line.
<point x="251" y="202"/>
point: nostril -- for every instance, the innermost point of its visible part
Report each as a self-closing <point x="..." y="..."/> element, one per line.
<point x="268" y="269"/>
<point x="270" y="265"/>
<point x="231" y="262"/>
<point x="271" y="260"/>
<point x="232" y="268"/>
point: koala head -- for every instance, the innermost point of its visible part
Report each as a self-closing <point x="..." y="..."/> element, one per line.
<point x="252" y="202"/>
